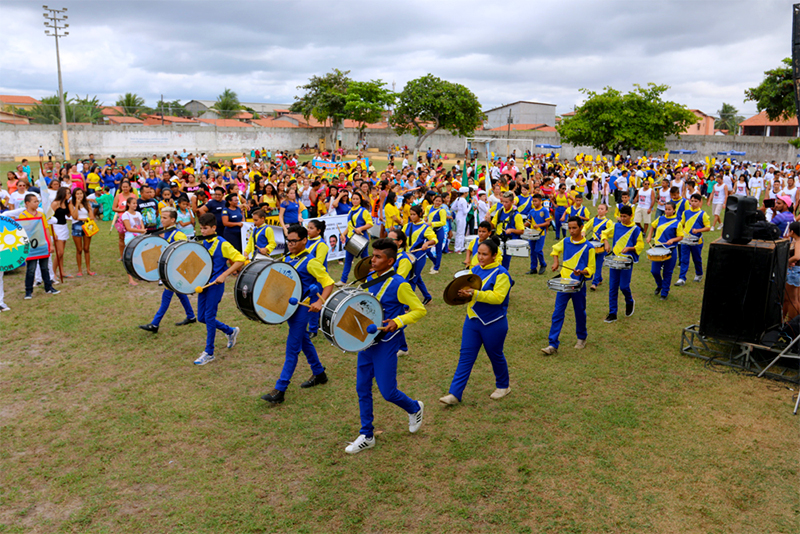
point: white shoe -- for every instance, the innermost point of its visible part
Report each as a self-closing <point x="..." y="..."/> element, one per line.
<point x="433" y="271"/>
<point x="549" y="350"/>
<point x="581" y="344"/>
<point x="698" y="278"/>
<point x="232" y="337"/>
<point x="500" y="393"/>
<point x="402" y="353"/>
<point x="204" y="358"/>
<point x="415" y="419"/>
<point x="3" y="307"/>
<point x="361" y="443"/>
<point x="680" y="282"/>
<point x="449" y="399"/>
<point x="339" y="284"/>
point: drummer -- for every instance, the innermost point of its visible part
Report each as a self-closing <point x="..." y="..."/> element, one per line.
<point x="622" y="238"/>
<point x="668" y="232"/>
<point x="318" y="248"/>
<point x="262" y="240"/>
<point x="359" y="221"/>
<point x="420" y="237"/>
<point x="577" y="209"/>
<point x="313" y="275"/>
<point x="486" y="324"/>
<point x="379" y="361"/>
<point x="508" y="223"/>
<point x="695" y="222"/>
<point x="485" y="231"/>
<point x="437" y="219"/>
<point x="404" y="266"/>
<point x="169" y="217"/>
<point x="593" y="230"/>
<point x="208" y="301"/>
<point x="579" y="264"/>
<point x="538" y="219"/>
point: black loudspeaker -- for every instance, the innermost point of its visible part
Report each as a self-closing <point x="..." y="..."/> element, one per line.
<point x="743" y="295"/>
<point x="740" y="213"/>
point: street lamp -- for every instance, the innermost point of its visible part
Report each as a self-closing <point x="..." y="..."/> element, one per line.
<point x="55" y="22"/>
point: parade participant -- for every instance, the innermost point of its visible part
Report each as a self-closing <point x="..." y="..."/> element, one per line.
<point x="623" y="237"/>
<point x="593" y="230"/>
<point x="318" y="248"/>
<point x="486" y="324"/>
<point x="625" y="197"/>
<point x="695" y="222"/>
<point x="169" y="218"/>
<point x="232" y="221"/>
<point x="579" y="264"/>
<point x="359" y="221"/>
<point x="525" y="200"/>
<point x="485" y="231"/>
<point x="379" y="361"/>
<point x="508" y="223"/>
<point x="577" y="209"/>
<point x="645" y="200"/>
<point x="262" y="239"/>
<point x="404" y="266"/>
<point x="208" y="301"/>
<point x="460" y="208"/>
<point x="561" y="201"/>
<point x="437" y="219"/>
<point x="663" y="197"/>
<point x="539" y="220"/>
<point x="667" y="231"/>
<point x="32" y="211"/>
<point x="420" y="238"/>
<point x="313" y="276"/>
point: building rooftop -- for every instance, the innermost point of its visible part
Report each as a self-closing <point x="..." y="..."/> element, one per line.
<point x="762" y="120"/>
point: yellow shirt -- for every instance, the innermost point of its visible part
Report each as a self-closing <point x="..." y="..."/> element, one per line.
<point x="496" y="295"/>
<point x="570" y="264"/>
<point x="251" y="243"/>
<point x="317" y="270"/>
<point x="92" y="181"/>
<point x="392" y="216"/>
<point x="405" y="295"/>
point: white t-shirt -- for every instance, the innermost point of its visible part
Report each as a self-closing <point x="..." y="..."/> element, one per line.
<point x="719" y="194"/>
<point x="17" y="199"/>
<point x="622" y="183"/>
<point x="757" y="182"/>
<point x="135" y="221"/>
<point x="645" y="199"/>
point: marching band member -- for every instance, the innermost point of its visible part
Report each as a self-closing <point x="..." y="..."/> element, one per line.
<point x="437" y="219"/>
<point x="579" y="264"/>
<point x="561" y="201"/>
<point x="208" y="301"/>
<point x="420" y="238"/>
<point x="485" y="231"/>
<point x="318" y="248"/>
<point x="577" y="209"/>
<point x="508" y="223"/>
<point x="359" y="221"/>
<point x="313" y="275"/>
<point x="668" y="232"/>
<point x="593" y="230"/>
<point x="379" y="361"/>
<point x="262" y="240"/>
<point x="623" y="237"/>
<point x="539" y="218"/>
<point x="695" y="222"/>
<point x="486" y="324"/>
<point x="169" y="217"/>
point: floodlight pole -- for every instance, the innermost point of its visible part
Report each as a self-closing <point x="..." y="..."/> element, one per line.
<point x="55" y="16"/>
<point x="508" y="134"/>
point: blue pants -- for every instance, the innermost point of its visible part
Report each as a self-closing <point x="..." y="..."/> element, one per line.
<point x="403" y="342"/>
<point x="579" y="305"/>
<point x="380" y="362"/>
<point x="506" y="263"/>
<point x="619" y="279"/>
<point x="313" y="318"/>
<point x="560" y="211"/>
<point x="348" y="262"/>
<point x="440" y="242"/>
<point x="417" y="280"/>
<point x="598" y="268"/>
<point x="662" y="273"/>
<point x="537" y="253"/>
<point x="693" y="251"/>
<point x="207" y="304"/>
<point x="474" y="335"/>
<point x="166" y="298"/>
<point x="298" y="340"/>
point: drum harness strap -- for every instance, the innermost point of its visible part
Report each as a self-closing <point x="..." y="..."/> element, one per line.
<point x="379" y="280"/>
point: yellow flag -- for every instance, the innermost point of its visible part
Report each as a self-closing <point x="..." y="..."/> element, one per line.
<point x="713" y="161"/>
<point x="589" y="159"/>
<point x="617" y="158"/>
<point x="728" y="161"/>
<point x="557" y="154"/>
<point x="605" y="160"/>
<point x="666" y="156"/>
<point x="708" y="160"/>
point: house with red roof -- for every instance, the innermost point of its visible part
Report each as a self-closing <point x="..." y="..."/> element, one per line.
<point x="761" y="125"/>
<point x="17" y="101"/>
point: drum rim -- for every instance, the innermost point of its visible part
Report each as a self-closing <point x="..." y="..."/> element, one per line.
<point x="127" y="258"/>
<point x="167" y="254"/>
<point x="352" y="292"/>
<point x="254" y="312"/>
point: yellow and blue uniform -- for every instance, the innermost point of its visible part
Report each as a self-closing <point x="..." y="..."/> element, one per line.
<point x="622" y="236"/>
<point x="631" y="206"/>
<point x="474" y="257"/>
<point x="405" y="265"/>
<point x="580" y="212"/>
<point x="578" y="256"/>
<point x="313" y="277"/>
<point x="693" y="220"/>
<point x="262" y="237"/>
<point x="172" y="235"/>
<point x="379" y="361"/>
<point x="418" y="234"/>
<point x="538" y="216"/>
<point x="561" y="204"/>
<point x="681" y="205"/>
<point x="486" y="324"/>
<point x="593" y="231"/>
<point x="437" y="218"/>
<point x="318" y="248"/>
<point x="356" y="217"/>
<point x="524" y="206"/>
<point x="666" y="228"/>
<point x="208" y="301"/>
<point x="507" y="220"/>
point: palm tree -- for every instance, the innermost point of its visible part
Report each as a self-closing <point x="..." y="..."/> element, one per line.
<point x="132" y="105"/>
<point x="227" y="104"/>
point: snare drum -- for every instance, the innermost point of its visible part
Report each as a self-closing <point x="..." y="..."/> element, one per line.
<point x="564" y="285"/>
<point x="597" y="246"/>
<point x="659" y="254"/>
<point x="517" y="247"/>
<point x="263" y="290"/>
<point x="345" y="317"/>
<point x="141" y="257"/>
<point x="531" y="235"/>
<point x="356" y="245"/>
<point x="690" y="239"/>
<point x="624" y="263"/>
<point x="185" y="265"/>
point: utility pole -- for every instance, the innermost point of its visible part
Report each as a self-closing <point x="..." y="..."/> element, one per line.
<point x="508" y="133"/>
<point x="162" y="110"/>
<point x="56" y="17"/>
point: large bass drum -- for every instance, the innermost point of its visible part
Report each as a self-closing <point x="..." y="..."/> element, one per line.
<point x="141" y="257"/>
<point x="185" y="265"/>
<point x="263" y="290"/>
<point x="346" y="315"/>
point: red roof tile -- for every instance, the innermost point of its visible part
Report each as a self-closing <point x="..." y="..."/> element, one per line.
<point x="18" y="99"/>
<point x="226" y="123"/>
<point x="124" y="120"/>
<point x="762" y="120"/>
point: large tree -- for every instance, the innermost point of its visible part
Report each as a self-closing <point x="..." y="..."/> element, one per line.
<point x="775" y="94"/>
<point x="325" y="100"/>
<point x="132" y="105"/>
<point x="429" y="104"/>
<point x="365" y="102"/>
<point x="614" y="123"/>
<point x="76" y="109"/>
<point x="227" y="104"/>
<point x="729" y="118"/>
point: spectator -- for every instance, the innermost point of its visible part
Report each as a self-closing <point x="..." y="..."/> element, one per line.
<point x="186" y="218"/>
<point x="148" y="207"/>
<point x="120" y="206"/>
<point x="80" y="210"/>
<point x="232" y="220"/>
<point x="32" y="211"/>
<point x="60" y="208"/>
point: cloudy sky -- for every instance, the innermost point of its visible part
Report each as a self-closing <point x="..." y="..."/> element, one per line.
<point x="708" y="52"/>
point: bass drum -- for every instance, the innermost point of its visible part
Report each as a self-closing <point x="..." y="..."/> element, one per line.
<point x="345" y="317"/>
<point x="142" y="255"/>
<point x="263" y="289"/>
<point x="185" y="265"/>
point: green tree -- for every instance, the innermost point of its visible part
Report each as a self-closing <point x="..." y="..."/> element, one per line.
<point x="46" y="112"/>
<point x="614" y="123"/>
<point x="87" y="110"/>
<point x="429" y="104"/>
<point x="176" y="109"/>
<point x="227" y="104"/>
<point x="775" y="94"/>
<point x="325" y="100"/>
<point x="365" y="102"/>
<point x="729" y="118"/>
<point x="76" y="109"/>
<point x="132" y="105"/>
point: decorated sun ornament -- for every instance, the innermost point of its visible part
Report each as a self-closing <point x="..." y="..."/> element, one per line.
<point x="14" y="244"/>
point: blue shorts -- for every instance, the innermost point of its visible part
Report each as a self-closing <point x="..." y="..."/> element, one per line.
<point x="793" y="276"/>
<point x="77" y="229"/>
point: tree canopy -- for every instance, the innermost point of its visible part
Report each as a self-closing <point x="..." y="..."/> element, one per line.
<point x="76" y="109"/>
<point x="325" y="99"/>
<point x="612" y="122"/>
<point x="132" y="105"/>
<point x="227" y="104"/>
<point x="729" y="118"/>
<point x="366" y="101"/>
<point x="429" y="104"/>
<point x="775" y="94"/>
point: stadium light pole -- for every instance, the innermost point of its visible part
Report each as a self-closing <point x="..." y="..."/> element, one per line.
<point x="55" y="22"/>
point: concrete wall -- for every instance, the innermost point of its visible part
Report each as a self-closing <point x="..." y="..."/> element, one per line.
<point x="130" y="141"/>
<point x="522" y="113"/>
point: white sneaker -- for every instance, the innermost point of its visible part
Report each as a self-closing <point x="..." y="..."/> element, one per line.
<point x="3" y="307"/>
<point x="680" y="282"/>
<point x="232" y="337"/>
<point x="339" y="284"/>
<point x="549" y="350"/>
<point x="500" y="393"/>
<point x="433" y="271"/>
<point x="698" y="278"/>
<point x="402" y="353"/>
<point x="581" y="344"/>
<point x="449" y="400"/>
<point x="204" y="358"/>
<point x="415" y="419"/>
<point x="361" y="443"/>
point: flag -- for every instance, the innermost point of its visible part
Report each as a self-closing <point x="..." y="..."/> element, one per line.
<point x="464" y="181"/>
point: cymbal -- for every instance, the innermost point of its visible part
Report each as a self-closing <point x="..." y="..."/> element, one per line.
<point x="463" y="280"/>
<point x="363" y="268"/>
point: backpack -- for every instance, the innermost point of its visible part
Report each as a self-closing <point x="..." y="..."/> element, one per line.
<point x="765" y="231"/>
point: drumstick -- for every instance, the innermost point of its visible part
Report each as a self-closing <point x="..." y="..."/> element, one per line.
<point x="415" y="250"/>
<point x="371" y="329"/>
<point x="294" y="301"/>
<point x="199" y="289"/>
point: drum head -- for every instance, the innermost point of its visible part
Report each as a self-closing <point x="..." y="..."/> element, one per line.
<point x="273" y="284"/>
<point x="14" y="244"/>
<point x="142" y="255"/>
<point x="451" y="295"/>
<point x="363" y="268"/>
<point x="355" y="311"/>
<point x="184" y="266"/>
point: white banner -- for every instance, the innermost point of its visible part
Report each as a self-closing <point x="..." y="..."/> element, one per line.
<point x="335" y="229"/>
